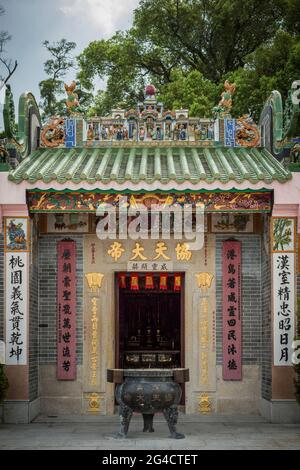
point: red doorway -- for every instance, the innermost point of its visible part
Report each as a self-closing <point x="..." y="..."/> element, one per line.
<point x="149" y="323"/>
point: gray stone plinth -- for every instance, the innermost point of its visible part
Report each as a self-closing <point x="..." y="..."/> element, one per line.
<point x="20" y="411"/>
<point x="280" y="411"/>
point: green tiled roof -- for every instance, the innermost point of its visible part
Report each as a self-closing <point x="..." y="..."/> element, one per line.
<point x="149" y="164"/>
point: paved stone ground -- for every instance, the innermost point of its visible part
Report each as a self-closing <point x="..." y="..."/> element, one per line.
<point x="202" y="432"/>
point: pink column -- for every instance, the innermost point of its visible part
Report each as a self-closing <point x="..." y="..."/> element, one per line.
<point x="16" y="292"/>
<point x="284" y="227"/>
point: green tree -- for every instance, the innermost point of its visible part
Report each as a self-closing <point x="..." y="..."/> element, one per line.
<point x="8" y="67"/>
<point x="213" y="37"/>
<point x="56" y="68"/>
<point x="290" y="16"/>
<point x="254" y="44"/>
<point x="273" y="66"/>
<point x="191" y="91"/>
<point x="3" y="383"/>
<point x="113" y="60"/>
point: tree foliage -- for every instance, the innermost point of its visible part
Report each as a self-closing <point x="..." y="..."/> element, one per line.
<point x="272" y="66"/>
<point x="56" y="68"/>
<point x="113" y="60"/>
<point x="255" y="43"/>
<point x="190" y="91"/>
<point x="8" y="67"/>
<point x="3" y="383"/>
<point x="211" y="36"/>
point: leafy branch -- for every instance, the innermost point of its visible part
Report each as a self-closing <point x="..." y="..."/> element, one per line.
<point x="9" y="65"/>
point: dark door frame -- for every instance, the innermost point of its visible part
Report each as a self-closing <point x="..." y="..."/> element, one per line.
<point x="182" y="317"/>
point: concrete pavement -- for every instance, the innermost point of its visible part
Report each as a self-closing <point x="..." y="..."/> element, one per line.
<point x="202" y="432"/>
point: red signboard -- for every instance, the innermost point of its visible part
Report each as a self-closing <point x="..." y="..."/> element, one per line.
<point x="232" y="311"/>
<point x="66" y="305"/>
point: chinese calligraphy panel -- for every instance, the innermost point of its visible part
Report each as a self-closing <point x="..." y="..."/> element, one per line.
<point x="66" y="303"/>
<point x="232" y="311"/>
<point x="284" y="307"/>
<point x="145" y="266"/>
<point x="16" y="308"/>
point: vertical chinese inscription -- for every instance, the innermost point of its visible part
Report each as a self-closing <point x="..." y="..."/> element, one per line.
<point x="16" y="306"/>
<point x="232" y="312"/>
<point x="204" y="281"/>
<point x="284" y="307"/>
<point x="92" y="356"/>
<point x="66" y="321"/>
<point x="204" y="335"/>
<point x="94" y="342"/>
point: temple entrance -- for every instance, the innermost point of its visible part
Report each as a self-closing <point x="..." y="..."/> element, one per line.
<point x="150" y="323"/>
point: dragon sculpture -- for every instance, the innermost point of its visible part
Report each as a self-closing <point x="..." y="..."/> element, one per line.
<point x="247" y="133"/>
<point x="53" y="134"/>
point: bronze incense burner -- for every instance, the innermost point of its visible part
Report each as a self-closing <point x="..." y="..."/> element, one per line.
<point x="148" y="391"/>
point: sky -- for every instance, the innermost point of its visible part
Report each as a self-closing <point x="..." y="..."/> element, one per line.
<point x="30" y="22"/>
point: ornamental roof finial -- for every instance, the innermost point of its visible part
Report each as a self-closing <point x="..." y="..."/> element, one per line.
<point x="225" y="104"/>
<point x="150" y="91"/>
<point x="72" y="102"/>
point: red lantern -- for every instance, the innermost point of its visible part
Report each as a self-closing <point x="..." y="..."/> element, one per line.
<point x="177" y="282"/>
<point x="134" y="282"/>
<point x="163" y="282"/>
<point x="149" y="283"/>
<point x="122" y="281"/>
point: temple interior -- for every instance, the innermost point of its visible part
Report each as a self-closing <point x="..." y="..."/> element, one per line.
<point x="150" y="325"/>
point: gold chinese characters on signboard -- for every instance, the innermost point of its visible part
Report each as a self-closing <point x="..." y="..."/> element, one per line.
<point x="116" y="250"/>
<point x="138" y="253"/>
<point x="183" y="253"/>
